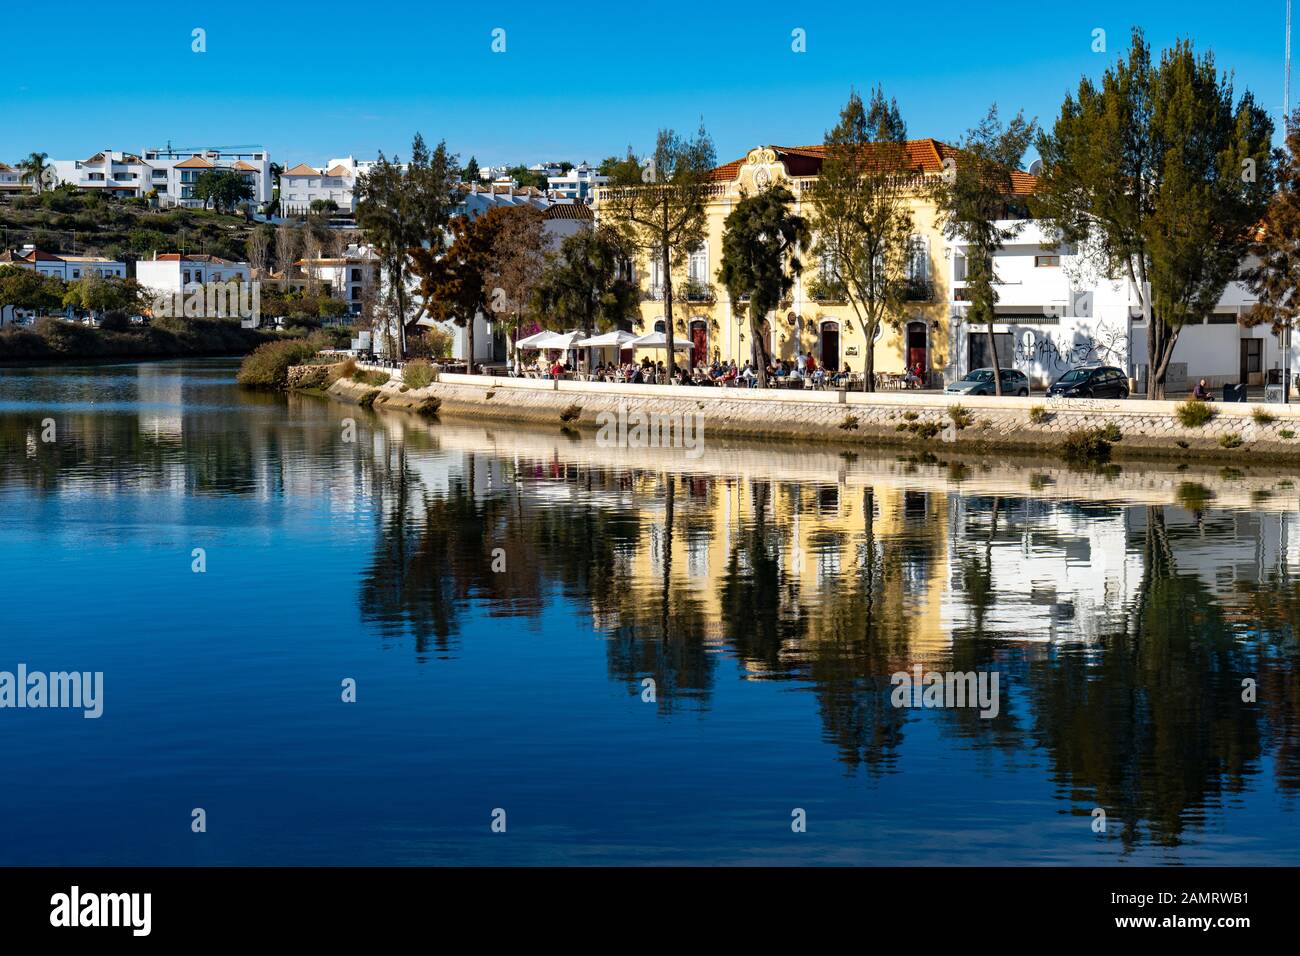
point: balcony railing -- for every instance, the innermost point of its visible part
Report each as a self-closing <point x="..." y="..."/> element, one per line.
<point x="919" y="290"/>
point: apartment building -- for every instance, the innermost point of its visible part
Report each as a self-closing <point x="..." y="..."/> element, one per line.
<point x="110" y="171"/>
<point x="171" y="173"/>
<point x="579" y="184"/>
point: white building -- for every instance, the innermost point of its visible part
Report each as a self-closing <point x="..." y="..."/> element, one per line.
<point x="70" y="268"/>
<point x="11" y="180"/>
<point x="172" y="173"/>
<point x="351" y="277"/>
<point x="577" y="185"/>
<point x="302" y="185"/>
<point x="177" y="277"/>
<point x="1055" y="312"/>
<point x="109" y="171"/>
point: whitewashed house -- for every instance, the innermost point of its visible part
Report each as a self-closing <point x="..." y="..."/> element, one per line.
<point x="302" y="185"/>
<point x="69" y="268"/>
<point x="353" y="277"/>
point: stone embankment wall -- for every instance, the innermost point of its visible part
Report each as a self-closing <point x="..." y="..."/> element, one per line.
<point x="1146" y="429"/>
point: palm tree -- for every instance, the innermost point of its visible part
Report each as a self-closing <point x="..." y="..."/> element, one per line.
<point x="33" y="168"/>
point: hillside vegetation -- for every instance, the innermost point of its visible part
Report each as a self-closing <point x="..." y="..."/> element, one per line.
<point x="81" y="223"/>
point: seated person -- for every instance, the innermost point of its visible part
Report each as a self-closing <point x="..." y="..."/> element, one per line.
<point x="1201" y="393"/>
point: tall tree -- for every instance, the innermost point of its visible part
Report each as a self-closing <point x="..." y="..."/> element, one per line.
<point x="258" y="250"/>
<point x="883" y="120"/>
<point x="456" y="285"/>
<point x="862" y="217"/>
<point x="622" y="170"/>
<point x="223" y="188"/>
<point x="32" y="169"/>
<point x="1159" y="174"/>
<point x="287" y="242"/>
<point x="666" y="214"/>
<point x="977" y="202"/>
<point x="472" y="174"/>
<point x="400" y="209"/>
<point x="516" y="263"/>
<point x="1273" y="274"/>
<point x="761" y="245"/>
<point x="586" y="284"/>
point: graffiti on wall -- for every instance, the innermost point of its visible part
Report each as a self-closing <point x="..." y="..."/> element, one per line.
<point x="1108" y="346"/>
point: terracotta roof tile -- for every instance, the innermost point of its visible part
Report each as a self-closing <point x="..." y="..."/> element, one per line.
<point x="923" y="156"/>
<point x="569" y="210"/>
<point x="194" y="162"/>
<point x="302" y="169"/>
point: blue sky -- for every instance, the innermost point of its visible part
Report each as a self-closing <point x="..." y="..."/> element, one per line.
<point x="323" y="79"/>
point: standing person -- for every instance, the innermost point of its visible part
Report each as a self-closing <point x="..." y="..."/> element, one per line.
<point x="801" y="362"/>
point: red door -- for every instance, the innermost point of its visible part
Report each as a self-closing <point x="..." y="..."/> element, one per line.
<point x="916" y="346"/>
<point x="700" y="341"/>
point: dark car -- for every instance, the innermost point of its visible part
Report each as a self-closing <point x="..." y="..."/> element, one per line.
<point x="980" y="382"/>
<point x="1091" y="381"/>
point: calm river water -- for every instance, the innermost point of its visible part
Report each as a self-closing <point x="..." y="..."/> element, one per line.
<point x="637" y="656"/>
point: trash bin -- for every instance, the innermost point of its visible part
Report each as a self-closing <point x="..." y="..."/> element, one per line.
<point x="1234" y="393"/>
<point x="1273" y="393"/>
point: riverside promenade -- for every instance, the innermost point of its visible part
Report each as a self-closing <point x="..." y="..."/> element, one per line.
<point x="1137" y="428"/>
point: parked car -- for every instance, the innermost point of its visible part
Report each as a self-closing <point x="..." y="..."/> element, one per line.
<point x="1090" y="381"/>
<point x="980" y="382"/>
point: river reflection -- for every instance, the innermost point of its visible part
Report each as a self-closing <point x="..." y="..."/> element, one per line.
<point x="769" y="593"/>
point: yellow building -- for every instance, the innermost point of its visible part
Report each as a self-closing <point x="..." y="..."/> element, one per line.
<point x="808" y="322"/>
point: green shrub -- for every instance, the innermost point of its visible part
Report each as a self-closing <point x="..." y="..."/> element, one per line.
<point x="1287" y="433"/>
<point x="850" y="423"/>
<point x="1087" y="445"/>
<point x="1039" y="414"/>
<point x="1111" y="433"/>
<point x="368" y="399"/>
<point x="910" y="416"/>
<point x="365" y="376"/>
<point x="571" y="413"/>
<point x="268" y="365"/>
<point x="923" y="429"/>
<point x="961" y="418"/>
<point x="1230" y="440"/>
<point x="1194" y="413"/>
<point x="1263" y="416"/>
<point x="418" y="373"/>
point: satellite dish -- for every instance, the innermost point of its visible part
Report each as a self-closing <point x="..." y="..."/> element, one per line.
<point x="1036" y="168"/>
